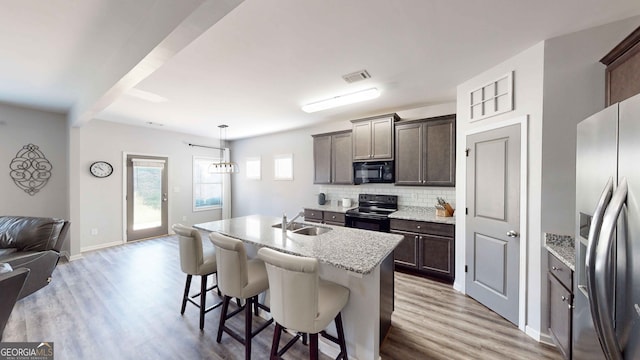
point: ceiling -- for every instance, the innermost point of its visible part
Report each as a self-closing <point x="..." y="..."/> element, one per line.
<point x="253" y="66"/>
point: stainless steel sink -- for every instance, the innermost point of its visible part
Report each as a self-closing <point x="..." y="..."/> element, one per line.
<point x="304" y="229"/>
<point x="292" y="226"/>
<point x="312" y="230"/>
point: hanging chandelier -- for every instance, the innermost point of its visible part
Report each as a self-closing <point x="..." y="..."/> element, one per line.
<point x="223" y="167"/>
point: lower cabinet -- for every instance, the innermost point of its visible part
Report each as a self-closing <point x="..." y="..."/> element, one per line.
<point x="324" y="217"/>
<point x="311" y="215"/>
<point x="560" y="281"/>
<point x="333" y="218"/>
<point x="427" y="248"/>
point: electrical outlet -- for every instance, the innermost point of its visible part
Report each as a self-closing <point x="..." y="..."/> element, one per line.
<point x="94" y="231"/>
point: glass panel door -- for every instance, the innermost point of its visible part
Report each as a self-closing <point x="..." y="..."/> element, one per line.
<point x="147" y="200"/>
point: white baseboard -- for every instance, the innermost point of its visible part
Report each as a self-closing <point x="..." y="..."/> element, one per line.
<point x="533" y="333"/>
<point x="546" y="339"/>
<point x="75" y="257"/>
<point x="538" y="336"/>
<point x="100" y="246"/>
<point x="458" y="287"/>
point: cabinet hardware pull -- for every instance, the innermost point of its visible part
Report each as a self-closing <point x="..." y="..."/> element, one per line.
<point x="555" y="268"/>
<point x="418" y="227"/>
<point x="563" y="298"/>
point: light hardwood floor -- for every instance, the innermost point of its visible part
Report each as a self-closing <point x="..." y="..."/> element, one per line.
<point x="124" y="303"/>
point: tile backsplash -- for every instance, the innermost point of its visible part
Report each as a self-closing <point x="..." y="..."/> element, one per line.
<point x="407" y="195"/>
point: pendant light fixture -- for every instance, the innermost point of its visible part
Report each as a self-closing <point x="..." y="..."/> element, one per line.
<point x="223" y="167"/>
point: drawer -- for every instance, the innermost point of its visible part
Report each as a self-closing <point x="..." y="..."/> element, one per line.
<point x="561" y="271"/>
<point x="423" y="227"/>
<point x="334" y="217"/>
<point x="310" y="214"/>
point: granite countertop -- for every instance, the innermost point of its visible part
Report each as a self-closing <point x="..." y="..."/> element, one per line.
<point x="419" y="213"/>
<point x="562" y="247"/>
<point x="335" y="206"/>
<point x="355" y="250"/>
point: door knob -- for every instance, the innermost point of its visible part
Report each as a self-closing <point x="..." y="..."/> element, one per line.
<point x="512" y="233"/>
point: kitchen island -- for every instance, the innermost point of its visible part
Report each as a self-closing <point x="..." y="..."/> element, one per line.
<point x="360" y="260"/>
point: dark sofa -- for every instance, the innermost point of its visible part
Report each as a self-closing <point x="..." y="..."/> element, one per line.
<point x="33" y="243"/>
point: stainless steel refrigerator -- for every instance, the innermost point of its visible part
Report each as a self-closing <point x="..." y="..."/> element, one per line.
<point x="606" y="315"/>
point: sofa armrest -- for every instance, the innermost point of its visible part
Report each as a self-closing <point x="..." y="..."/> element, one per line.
<point x="41" y="264"/>
<point x="62" y="236"/>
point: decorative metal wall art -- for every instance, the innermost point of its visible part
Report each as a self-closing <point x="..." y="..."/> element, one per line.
<point x="30" y="169"/>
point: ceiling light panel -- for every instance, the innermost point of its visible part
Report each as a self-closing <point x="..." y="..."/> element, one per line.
<point x="341" y="100"/>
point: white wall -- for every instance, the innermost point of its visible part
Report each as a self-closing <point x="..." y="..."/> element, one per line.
<point x="21" y="126"/>
<point x="557" y="84"/>
<point x="270" y="197"/>
<point x="573" y="90"/>
<point x="100" y="201"/>
<point x="528" y="86"/>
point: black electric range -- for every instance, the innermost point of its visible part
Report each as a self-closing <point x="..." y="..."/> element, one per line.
<point x="372" y="212"/>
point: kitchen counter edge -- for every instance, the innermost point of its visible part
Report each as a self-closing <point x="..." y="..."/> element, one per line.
<point x="562" y="247"/>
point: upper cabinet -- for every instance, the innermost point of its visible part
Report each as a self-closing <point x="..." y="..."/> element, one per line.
<point x="623" y="69"/>
<point x="373" y="138"/>
<point x="332" y="158"/>
<point x="426" y="151"/>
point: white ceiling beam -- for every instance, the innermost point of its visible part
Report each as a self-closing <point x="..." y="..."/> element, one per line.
<point x="139" y="58"/>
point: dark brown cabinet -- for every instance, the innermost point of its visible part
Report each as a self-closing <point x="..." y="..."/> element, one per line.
<point x="427" y="248"/>
<point x="373" y="138"/>
<point x="333" y="218"/>
<point x="332" y="158"/>
<point x="425" y="151"/>
<point x="324" y="217"/>
<point x="311" y="215"/>
<point x="623" y="69"/>
<point x="560" y="282"/>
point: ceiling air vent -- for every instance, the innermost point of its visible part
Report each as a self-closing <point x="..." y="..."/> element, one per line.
<point x="356" y="76"/>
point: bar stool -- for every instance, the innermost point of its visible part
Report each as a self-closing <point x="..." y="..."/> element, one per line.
<point x="195" y="261"/>
<point x="302" y="302"/>
<point x="242" y="279"/>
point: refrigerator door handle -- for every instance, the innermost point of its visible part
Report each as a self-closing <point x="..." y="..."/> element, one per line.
<point x="590" y="256"/>
<point x="601" y="308"/>
<point x="594" y="233"/>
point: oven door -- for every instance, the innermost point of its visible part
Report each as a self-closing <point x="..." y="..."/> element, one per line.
<point x="367" y="223"/>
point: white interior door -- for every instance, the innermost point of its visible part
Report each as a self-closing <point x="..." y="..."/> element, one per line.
<point x="493" y="219"/>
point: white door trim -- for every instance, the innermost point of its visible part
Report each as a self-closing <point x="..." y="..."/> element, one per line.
<point x="524" y="191"/>
<point x="124" y="189"/>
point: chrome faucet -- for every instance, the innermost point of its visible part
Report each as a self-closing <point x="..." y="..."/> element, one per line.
<point x="288" y="224"/>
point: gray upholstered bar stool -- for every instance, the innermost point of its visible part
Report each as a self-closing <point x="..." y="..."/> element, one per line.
<point x="243" y="279"/>
<point x="302" y="302"/>
<point x="195" y="261"/>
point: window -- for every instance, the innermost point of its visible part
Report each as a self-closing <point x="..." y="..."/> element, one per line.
<point x="283" y="167"/>
<point x="207" y="187"/>
<point x="252" y="168"/>
<point x="492" y="99"/>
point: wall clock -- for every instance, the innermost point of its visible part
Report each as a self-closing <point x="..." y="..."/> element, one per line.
<point x="101" y="169"/>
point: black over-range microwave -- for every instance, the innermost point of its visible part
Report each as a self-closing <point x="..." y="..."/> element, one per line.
<point x="373" y="172"/>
